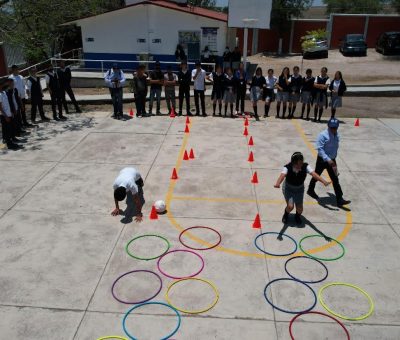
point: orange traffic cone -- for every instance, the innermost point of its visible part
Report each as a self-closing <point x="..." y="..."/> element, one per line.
<point x="357" y="122"/>
<point x="246" y="122"/>
<point x="191" y="154"/>
<point x="255" y="178"/>
<point x="251" y="157"/>
<point x="174" y="174"/>
<point x="153" y="214"/>
<point x="131" y="112"/>
<point x="187" y="129"/>
<point x="187" y="120"/>
<point x="257" y="222"/>
<point x="185" y="156"/>
<point x="172" y="114"/>
<point x="245" y="133"/>
<point x="251" y="141"/>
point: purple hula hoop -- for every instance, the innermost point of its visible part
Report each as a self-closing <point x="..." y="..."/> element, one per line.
<point x="180" y="277"/>
<point x="201" y="227"/>
<point x="136" y="302"/>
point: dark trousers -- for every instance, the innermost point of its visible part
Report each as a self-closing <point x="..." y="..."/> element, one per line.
<point x="199" y="94"/>
<point x="184" y="93"/>
<point x="319" y="168"/>
<point x="37" y="104"/>
<point x="56" y="104"/>
<point x="7" y="129"/>
<point x="140" y="102"/>
<point x="117" y="96"/>
<point x="240" y="97"/>
<point x="23" y="111"/>
<point x="71" y="95"/>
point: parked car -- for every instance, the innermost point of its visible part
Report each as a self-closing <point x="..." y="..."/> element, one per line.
<point x="388" y="43"/>
<point x="315" y="47"/>
<point x="353" y="44"/>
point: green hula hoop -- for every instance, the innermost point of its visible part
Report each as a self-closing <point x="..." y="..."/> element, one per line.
<point x="147" y="258"/>
<point x="344" y="317"/>
<point x="322" y="258"/>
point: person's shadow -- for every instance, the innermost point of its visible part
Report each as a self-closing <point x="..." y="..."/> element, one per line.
<point x="329" y="202"/>
<point x="305" y="222"/>
<point x="131" y="209"/>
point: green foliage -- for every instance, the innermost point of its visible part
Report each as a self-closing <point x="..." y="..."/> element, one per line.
<point x="309" y="40"/>
<point x="203" y="3"/>
<point x="396" y="5"/>
<point x="354" y="6"/>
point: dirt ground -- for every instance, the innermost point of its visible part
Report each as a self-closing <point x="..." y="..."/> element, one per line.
<point x="375" y="69"/>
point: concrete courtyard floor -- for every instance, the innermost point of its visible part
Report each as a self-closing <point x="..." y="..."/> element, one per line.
<point x="61" y="250"/>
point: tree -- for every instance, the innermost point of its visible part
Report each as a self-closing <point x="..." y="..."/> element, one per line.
<point x="203" y="3"/>
<point x="35" y="25"/>
<point x="396" y="5"/>
<point x="354" y="6"/>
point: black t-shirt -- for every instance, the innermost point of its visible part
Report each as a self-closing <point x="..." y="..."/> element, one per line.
<point x="156" y="75"/>
<point x="308" y="84"/>
<point x="296" y="178"/>
<point x="218" y="80"/>
<point x="258" y="82"/>
<point x="282" y="83"/>
<point x="140" y="84"/>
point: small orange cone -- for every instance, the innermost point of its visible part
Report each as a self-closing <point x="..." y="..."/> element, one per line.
<point x="187" y="120"/>
<point x="191" y="154"/>
<point x="185" y="156"/>
<point x="251" y="157"/>
<point x="255" y="178"/>
<point x="174" y="174"/>
<point x="131" y="112"/>
<point x="187" y="129"/>
<point x="153" y="214"/>
<point x="257" y="222"/>
<point x="246" y="122"/>
<point x="357" y="122"/>
<point x="172" y="114"/>
<point x="245" y="133"/>
<point x="251" y="141"/>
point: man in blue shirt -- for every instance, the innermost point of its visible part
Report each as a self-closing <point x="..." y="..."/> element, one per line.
<point x="115" y="81"/>
<point x="327" y="145"/>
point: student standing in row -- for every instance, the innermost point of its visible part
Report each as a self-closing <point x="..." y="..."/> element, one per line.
<point x="295" y="87"/>
<point x="307" y="90"/>
<point x="229" y="93"/>
<point x="170" y="80"/>
<point x="282" y="96"/>
<point x="115" y="81"/>
<point x="217" y="94"/>
<point x="269" y="91"/>
<point x="35" y="94"/>
<point x="55" y="89"/>
<point x="184" y="79"/>
<point x="140" y="91"/>
<point x="337" y="88"/>
<point x="321" y="85"/>
<point x="15" y="107"/>
<point x="65" y="76"/>
<point x="257" y="86"/>
<point x="19" y="84"/>
<point x="241" y="87"/>
<point x="199" y="77"/>
<point x="156" y="83"/>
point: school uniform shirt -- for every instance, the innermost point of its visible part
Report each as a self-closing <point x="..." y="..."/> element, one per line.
<point x="65" y="76"/>
<point x="156" y="75"/>
<point x="218" y="80"/>
<point x="12" y="95"/>
<point x="241" y="81"/>
<point x="19" y="84"/>
<point x="270" y="82"/>
<point x="282" y="83"/>
<point x="327" y="145"/>
<point x="229" y="82"/>
<point x="5" y="104"/>
<point x="307" y="84"/>
<point x="339" y="86"/>
<point x="184" y="79"/>
<point x="199" y="82"/>
<point x="127" y="179"/>
<point x="322" y="81"/>
<point x="170" y="77"/>
<point x="296" y="177"/>
<point x="34" y="87"/>
<point x="111" y="76"/>
<point x="140" y="84"/>
<point x="295" y="83"/>
<point x="52" y="81"/>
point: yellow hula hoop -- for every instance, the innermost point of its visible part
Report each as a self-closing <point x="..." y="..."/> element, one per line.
<point x="194" y="311"/>
<point x="344" y="317"/>
<point x="112" y="337"/>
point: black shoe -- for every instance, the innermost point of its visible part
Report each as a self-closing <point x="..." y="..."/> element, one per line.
<point x="342" y="202"/>
<point x="204" y="115"/>
<point x="297" y="218"/>
<point x="285" y="217"/>
<point x="45" y="119"/>
<point x="63" y="117"/>
<point x="28" y="125"/>
<point x="308" y="118"/>
<point x="312" y="194"/>
<point x="189" y="114"/>
<point x="265" y="116"/>
<point x="257" y="118"/>
<point x="78" y="110"/>
<point x="56" y="118"/>
<point x="13" y="146"/>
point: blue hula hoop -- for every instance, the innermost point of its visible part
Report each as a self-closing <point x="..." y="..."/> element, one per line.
<point x="310" y="258"/>
<point x="288" y="311"/>
<point x="151" y="303"/>
<point x="274" y="233"/>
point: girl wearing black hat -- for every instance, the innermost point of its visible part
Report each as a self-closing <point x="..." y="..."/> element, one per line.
<point x="293" y="176"/>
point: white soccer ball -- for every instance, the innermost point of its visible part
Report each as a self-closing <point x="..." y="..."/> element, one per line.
<point x="160" y="206"/>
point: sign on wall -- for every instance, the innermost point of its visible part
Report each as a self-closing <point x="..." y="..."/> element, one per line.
<point x="190" y="41"/>
<point x="209" y="38"/>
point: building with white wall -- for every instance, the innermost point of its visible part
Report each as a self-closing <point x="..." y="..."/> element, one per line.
<point x="153" y="28"/>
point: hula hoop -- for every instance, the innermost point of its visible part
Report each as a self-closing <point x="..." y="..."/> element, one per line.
<point x="112" y="337"/>
<point x="198" y="227"/>
<point x="146" y="258"/>
<point x="136" y="302"/>
<point x="310" y="258"/>
<point x="195" y="311"/>
<point x="274" y="233"/>
<point x="322" y="258"/>
<point x="151" y="303"/>
<point x="344" y="317"/>
<point x="288" y="311"/>
<point x="318" y="313"/>
<point x="183" y="277"/>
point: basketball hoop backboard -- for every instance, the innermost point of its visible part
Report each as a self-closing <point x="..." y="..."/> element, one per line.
<point x="249" y="13"/>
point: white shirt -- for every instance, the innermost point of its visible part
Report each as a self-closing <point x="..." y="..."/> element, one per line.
<point x="111" y="75"/>
<point x="5" y="104"/>
<point x="174" y="76"/>
<point x="336" y="84"/>
<point x="285" y="170"/>
<point x="328" y="80"/>
<point x="127" y="178"/>
<point x="271" y="81"/>
<point x="199" y="84"/>
<point x="19" y="84"/>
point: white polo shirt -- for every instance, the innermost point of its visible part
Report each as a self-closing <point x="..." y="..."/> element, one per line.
<point x="127" y="178"/>
<point x="199" y="82"/>
<point x="19" y="84"/>
<point x="5" y="104"/>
